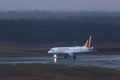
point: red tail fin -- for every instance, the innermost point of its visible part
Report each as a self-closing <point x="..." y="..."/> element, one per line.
<point x="88" y="42"/>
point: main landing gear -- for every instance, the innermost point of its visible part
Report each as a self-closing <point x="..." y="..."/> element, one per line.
<point x="74" y="57"/>
<point x="67" y="56"/>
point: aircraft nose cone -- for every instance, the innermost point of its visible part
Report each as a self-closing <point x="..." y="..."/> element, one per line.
<point x="49" y="51"/>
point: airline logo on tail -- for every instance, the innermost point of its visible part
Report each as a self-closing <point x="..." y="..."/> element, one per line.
<point x="88" y="42"/>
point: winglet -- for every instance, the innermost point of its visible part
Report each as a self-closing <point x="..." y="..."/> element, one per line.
<point x="88" y="42"/>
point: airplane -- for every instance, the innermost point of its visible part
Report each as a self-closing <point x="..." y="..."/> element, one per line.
<point x="71" y="51"/>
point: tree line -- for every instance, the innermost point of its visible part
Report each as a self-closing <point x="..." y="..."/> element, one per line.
<point x="70" y="29"/>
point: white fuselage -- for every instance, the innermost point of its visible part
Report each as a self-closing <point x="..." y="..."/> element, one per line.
<point x="69" y="50"/>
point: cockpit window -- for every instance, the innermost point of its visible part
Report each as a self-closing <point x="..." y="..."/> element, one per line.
<point x="51" y="50"/>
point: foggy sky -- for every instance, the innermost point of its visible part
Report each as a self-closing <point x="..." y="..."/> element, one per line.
<point x="69" y="5"/>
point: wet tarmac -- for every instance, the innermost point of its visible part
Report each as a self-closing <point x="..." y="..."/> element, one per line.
<point x="108" y="61"/>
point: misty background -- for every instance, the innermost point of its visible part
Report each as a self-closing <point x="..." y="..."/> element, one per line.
<point x="57" y="5"/>
<point x="59" y="21"/>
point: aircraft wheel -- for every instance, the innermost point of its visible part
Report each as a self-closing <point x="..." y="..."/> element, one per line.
<point x="65" y="56"/>
<point x="74" y="57"/>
